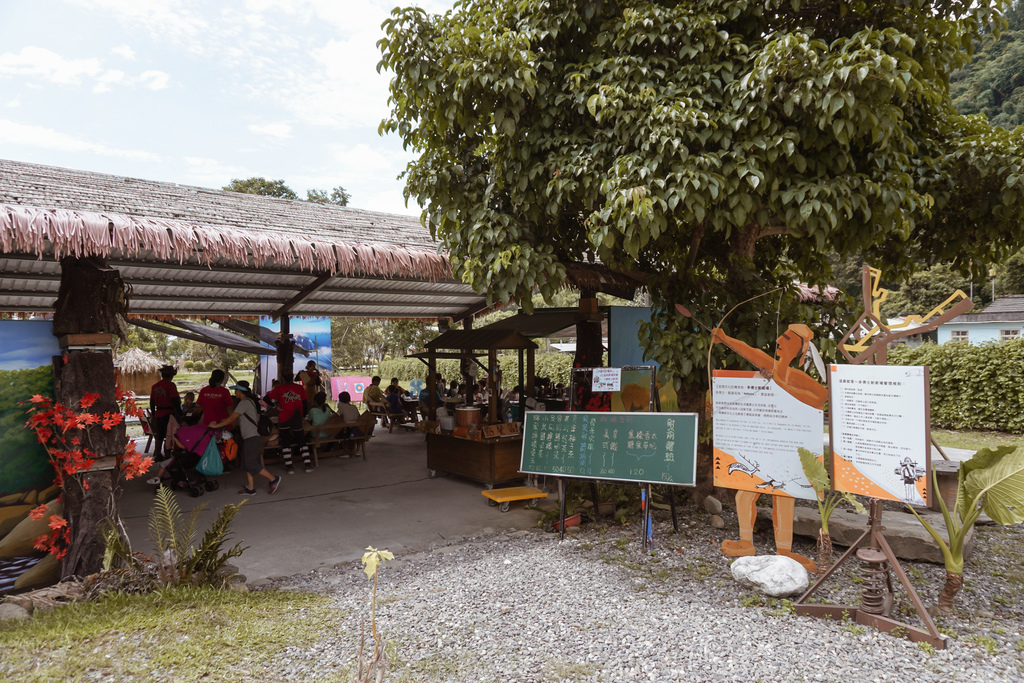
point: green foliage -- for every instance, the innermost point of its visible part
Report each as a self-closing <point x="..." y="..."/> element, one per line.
<point x="993" y="83"/>
<point x="24" y="463"/>
<point x="972" y="386"/>
<point x="816" y="473"/>
<point x="178" y="560"/>
<point x="926" y="289"/>
<point x="261" y="186"/>
<point x="557" y="366"/>
<point x="718" y="148"/>
<point x="1010" y="275"/>
<point x="991" y="482"/>
<point x="339" y="196"/>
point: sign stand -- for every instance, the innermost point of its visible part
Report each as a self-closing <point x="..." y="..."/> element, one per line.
<point x="876" y="560"/>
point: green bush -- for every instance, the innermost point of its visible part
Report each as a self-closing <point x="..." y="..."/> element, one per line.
<point x="553" y="365"/>
<point x="190" y="365"/>
<point x="972" y="387"/>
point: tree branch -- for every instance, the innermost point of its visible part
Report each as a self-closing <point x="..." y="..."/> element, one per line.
<point x="767" y="232"/>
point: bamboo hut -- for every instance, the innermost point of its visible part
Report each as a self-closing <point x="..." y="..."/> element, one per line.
<point x="137" y="371"/>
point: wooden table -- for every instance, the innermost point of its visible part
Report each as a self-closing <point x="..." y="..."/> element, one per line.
<point x="490" y="462"/>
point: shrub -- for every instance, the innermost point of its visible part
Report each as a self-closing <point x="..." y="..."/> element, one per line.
<point x="972" y="387"/>
<point x="189" y="365"/>
<point x="554" y="365"/>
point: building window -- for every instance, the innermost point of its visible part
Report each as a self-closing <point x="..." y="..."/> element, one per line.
<point x="1009" y="334"/>
<point x="958" y="335"/>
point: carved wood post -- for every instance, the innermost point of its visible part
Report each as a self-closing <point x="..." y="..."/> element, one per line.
<point x="92" y="300"/>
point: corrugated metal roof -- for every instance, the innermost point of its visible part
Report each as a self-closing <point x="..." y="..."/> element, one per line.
<point x="484" y="338"/>
<point x="1005" y="309"/>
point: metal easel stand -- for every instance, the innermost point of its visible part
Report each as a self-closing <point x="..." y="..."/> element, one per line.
<point x="877" y="598"/>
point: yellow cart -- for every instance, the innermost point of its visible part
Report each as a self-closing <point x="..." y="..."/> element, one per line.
<point x="503" y="497"/>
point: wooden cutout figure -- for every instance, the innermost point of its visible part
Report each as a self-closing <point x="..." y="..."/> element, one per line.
<point x="791" y="346"/>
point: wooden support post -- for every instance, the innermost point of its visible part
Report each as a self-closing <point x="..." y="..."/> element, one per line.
<point x="285" y="353"/>
<point x="91" y="300"/>
<point x="492" y="362"/>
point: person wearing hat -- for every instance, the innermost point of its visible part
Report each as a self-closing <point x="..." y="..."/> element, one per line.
<point x="247" y="415"/>
<point x="164" y="401"/>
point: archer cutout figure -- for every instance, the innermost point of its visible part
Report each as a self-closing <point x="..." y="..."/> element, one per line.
<point x="791" y="346"/>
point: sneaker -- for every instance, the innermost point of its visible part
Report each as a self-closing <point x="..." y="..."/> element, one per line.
<point x="308" y="468"/>
<point x="274" y="484"/>
<point x="244" y="491"/>
<point x="289" y="470"/>
<point x="153" y="481"/>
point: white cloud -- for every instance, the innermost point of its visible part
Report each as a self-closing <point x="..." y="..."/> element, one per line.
<point x="154" y="80"/>
<point x="16" y="102"/>
<point x="279" y="130"/>
<point x="14" y="133"/>
<point x="49" y="66"/>
<point x="125" y="51"/>
<point x="104" y="82"/>
<point x="172" y="20"/>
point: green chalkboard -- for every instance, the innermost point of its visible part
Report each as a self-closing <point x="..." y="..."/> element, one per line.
<point x="639" y="447"/>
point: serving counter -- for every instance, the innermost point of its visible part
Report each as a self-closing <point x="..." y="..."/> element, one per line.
<point x="489" y="461"/>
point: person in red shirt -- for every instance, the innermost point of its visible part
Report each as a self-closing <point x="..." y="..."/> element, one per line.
<point x="214" y="400"/>
<point x="164" y="401"/>
<point x="291" y="400"/>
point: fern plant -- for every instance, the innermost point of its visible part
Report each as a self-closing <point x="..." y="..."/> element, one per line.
<point x="178" y="560"/>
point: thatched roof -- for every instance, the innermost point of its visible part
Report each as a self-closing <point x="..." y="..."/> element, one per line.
<point x="137" y="362"/>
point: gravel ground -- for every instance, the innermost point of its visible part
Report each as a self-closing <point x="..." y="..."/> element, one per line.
<point x="522" y="606"/>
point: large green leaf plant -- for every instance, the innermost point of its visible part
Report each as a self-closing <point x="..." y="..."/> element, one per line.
<point x="991" y="482"/>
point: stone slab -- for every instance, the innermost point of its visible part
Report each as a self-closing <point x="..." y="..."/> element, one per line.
<point x="906" y="536"/>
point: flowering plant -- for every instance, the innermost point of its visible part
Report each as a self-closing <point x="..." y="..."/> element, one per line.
<point x="65" y="434"/>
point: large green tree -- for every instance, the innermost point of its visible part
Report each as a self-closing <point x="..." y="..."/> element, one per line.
<point x="339" y="196"/>
<point x="716" y="149"/>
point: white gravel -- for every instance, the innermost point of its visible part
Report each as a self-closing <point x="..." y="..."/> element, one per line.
<point x="522" y="606"/>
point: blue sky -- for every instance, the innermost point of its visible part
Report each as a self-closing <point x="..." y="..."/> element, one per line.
<point x="202" y="91"/>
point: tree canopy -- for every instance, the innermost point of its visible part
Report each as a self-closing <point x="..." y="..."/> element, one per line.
<point x="712" y="148"/>
<point x="339" y="196"/>
<point x="261" y="186"/>
<point x="993" y="83"/>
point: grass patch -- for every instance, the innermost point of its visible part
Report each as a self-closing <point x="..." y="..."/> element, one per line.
<point x="183" y="634"/>
<point x="974" y="441"/>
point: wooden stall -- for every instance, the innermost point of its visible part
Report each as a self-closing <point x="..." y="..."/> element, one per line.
<point x="479" y="447"/>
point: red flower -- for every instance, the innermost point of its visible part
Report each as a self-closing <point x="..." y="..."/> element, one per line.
<point x="88" y="400"/>
<point x="38" y="513"/>
<point x="39" y="398"/>
<point x="56" y="522"/>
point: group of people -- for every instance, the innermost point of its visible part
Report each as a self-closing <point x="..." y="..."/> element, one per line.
<point x="216" y="407"/>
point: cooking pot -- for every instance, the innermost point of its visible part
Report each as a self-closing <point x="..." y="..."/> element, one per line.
<point x="467" y="416"/>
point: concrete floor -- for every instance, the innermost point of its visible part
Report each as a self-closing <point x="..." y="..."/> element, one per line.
<point x="332" y="514"/>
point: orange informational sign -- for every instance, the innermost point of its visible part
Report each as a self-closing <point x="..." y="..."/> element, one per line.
<point x="879" y="432"/>
<point x="759" y="429"/>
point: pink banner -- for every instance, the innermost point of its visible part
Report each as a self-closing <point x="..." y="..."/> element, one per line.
<point x="353" y="384"/>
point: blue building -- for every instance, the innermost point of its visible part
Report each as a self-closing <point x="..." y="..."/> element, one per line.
<point x="1001" y="320"/>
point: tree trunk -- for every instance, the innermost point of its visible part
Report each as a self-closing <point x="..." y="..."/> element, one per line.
<point x="92" y="299"/>
<point x="824" y="558"/>
<point x="954" y="582"/>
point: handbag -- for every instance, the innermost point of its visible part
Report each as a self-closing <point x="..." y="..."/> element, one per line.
<point x="210" y="465"/>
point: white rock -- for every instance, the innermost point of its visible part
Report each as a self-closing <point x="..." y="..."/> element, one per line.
<point x="773" y="575"/>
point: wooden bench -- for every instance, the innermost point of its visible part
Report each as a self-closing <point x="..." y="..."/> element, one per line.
<point x="389" y="419"/>
<point x="329" y="432"/>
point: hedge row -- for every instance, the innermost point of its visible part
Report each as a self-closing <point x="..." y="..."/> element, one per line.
<point x="972" y="387"/>
<point x="553" y="365"/>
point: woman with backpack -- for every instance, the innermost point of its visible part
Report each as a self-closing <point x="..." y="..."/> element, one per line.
<point x="247" y="415"/>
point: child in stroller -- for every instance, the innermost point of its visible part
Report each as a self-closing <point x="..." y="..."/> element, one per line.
<point x="180" y="468"/>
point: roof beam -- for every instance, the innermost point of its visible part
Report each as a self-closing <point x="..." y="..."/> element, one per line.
<point x="306" y="292"/>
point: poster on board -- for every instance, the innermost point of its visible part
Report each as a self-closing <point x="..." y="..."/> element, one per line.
<point x="27" y="348"/>
<point x="880" y="439"/>
<point x="606" y="379"/>
<point x="758" y="431"/>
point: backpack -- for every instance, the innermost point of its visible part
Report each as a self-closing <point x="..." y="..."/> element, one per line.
<point x="264" y="426"/>
<point x="230" y="450"/>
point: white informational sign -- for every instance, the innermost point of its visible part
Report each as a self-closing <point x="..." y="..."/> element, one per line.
<point x="759" y="429"/>
<point x="606" y="379"/>
<point x="880" y="441"/>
